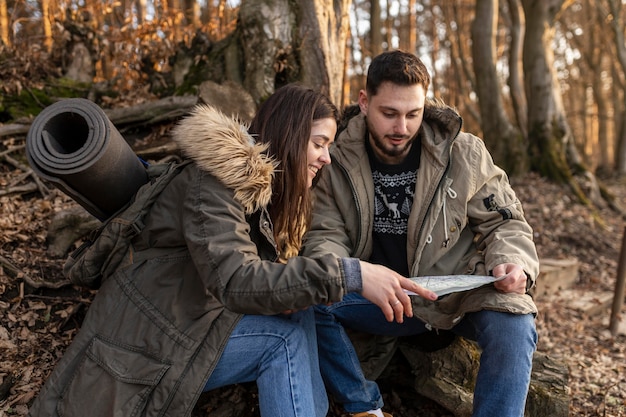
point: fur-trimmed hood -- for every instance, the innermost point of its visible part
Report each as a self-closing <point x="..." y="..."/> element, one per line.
<point x="223" y="147"/>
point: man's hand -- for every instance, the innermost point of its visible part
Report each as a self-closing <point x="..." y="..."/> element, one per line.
<point x="515" y="280"/>
<point x="385" y="288"/>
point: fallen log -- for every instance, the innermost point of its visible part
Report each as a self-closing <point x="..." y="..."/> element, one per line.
<point x="14" y="272"/>
<point x="164" y="110"/>
<point x="446" y="374"/>
<point x="140" y="115"/>
<point x="14" y="129"/>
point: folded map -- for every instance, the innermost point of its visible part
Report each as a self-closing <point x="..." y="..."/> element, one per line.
<point x="446" y="284"/>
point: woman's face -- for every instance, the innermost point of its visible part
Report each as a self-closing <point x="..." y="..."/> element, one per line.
<point x="322" y="136"/>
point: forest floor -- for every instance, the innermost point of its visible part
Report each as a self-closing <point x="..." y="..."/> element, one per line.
<point x="37" y="324"/>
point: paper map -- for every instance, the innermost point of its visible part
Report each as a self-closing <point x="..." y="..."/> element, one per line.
<point x="446" y="284"/>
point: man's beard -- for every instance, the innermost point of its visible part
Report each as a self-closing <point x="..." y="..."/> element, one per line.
<point x="380" y="145"/>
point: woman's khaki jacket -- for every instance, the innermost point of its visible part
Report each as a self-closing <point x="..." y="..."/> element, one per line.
<point x="465" y="217"/>
<point x="157" y="326"/>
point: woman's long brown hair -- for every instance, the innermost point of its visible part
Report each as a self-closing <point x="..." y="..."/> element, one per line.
<point x="284" y="121"/>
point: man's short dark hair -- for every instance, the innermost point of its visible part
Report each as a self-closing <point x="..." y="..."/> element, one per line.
<point x="398" y="67"/>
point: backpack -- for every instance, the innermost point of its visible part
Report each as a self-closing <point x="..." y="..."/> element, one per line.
<point x="107" y="246"/>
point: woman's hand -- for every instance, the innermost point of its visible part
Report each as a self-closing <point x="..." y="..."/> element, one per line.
<point x="385" y="288"/>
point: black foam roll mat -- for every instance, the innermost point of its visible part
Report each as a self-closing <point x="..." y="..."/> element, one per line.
<point x="74" y="145"/>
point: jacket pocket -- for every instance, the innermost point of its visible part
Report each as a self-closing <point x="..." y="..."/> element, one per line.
<point x="111" y="381"/>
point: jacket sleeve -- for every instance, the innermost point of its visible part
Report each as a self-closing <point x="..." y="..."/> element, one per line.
<point x="497" y="217"/>
<point x="327" y="233"/>
<point x="228" y="262"/>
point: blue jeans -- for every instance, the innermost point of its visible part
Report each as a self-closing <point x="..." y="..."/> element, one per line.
<point x="507" y="341"/>
<point x="280" y="354"/>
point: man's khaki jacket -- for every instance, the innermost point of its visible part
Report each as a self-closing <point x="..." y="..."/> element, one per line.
<point x="465" y="218"/>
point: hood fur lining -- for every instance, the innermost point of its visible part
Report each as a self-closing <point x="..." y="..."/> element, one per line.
<point x="220" y="145"/>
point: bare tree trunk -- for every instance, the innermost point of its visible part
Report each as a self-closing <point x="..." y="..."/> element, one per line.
<point x="376" y="28"/>
<point x="552" y="150"/>
<point x="356" y="61"/>
<point x="206" y="14"/>
<point x="618" y="120"/>
<point x="190" y="13"/>
<point x="222" y="19"/>
<point x="412" y="27"/>
<point x="264" y="51"/>
<point x="593" y="124"/>
<point x="605" y="161"/>
<point x="305" y="42"/>
<point x="503" y="140"/>
<point x="323" y="38"/>
<point x="4" y="24"/>
<point x="140" y="6"/>
<point x="461" y="64"/>
<point x="617" y="24"/>
<point x="345" y="88"/>
<point x="436" y="78"/>
<point x="47" y="27"/>
<point x="516" y="78"/>
<point x="389" y="25"/>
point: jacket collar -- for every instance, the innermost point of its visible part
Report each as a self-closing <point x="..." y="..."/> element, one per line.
<point x="221" y="146"/>
<point x="440" y="127"/>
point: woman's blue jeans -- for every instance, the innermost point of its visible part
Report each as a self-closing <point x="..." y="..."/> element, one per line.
<point x="280" y="354"/>
<point x="507" y="342"/>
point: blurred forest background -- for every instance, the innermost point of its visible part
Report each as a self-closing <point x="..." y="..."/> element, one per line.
<point x="542" y="81"/>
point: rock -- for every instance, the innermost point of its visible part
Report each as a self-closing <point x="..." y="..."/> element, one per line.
<point x="555" y="275"/>
<point x="67" y="227"/>
<point x="230" y="98"/>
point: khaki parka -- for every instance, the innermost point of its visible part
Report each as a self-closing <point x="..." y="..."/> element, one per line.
<point x="465" y="218"/>
<point x="157" y="326"/>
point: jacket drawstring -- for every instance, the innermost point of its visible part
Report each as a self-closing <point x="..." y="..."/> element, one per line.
<point x="446" y="241"/>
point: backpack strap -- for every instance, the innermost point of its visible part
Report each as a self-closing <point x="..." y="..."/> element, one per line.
<point x="110" y="243"/>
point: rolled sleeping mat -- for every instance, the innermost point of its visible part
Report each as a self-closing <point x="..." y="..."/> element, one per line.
<point x="74" y="145"/>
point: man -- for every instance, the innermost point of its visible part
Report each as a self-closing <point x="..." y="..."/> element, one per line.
<point x="409" y="190"/>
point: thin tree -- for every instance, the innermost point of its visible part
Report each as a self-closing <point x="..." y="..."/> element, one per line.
<point x="47" y="26"/>
<point x="552" y="149"/>
<point x="390" y="27"/>
<point x="617" y="24"/>
<point x="516" y="77"/>
<point x="461" y="78"/>
<point x="586" y="31"/>
<point x="140" y="14"/>
<point x="412" y="27"/>
<point x="617" y="99"/>
<point x="504" y="140"/>
<point x="4" y="24"/>
<point x="376" y="28"/>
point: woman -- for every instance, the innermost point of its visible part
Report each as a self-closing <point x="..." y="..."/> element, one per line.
<point x="199" y="301"/>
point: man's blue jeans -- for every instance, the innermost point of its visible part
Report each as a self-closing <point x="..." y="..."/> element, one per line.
<point x="507" y="341"/>
<point x="280" y="354"/>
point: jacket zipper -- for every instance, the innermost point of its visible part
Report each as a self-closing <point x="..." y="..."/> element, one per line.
<point x="431" y="202"/>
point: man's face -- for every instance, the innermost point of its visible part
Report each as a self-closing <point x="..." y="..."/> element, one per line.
<point x="393" y="117"/>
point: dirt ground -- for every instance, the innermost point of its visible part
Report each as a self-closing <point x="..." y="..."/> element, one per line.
<point x="36" y="324"/>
